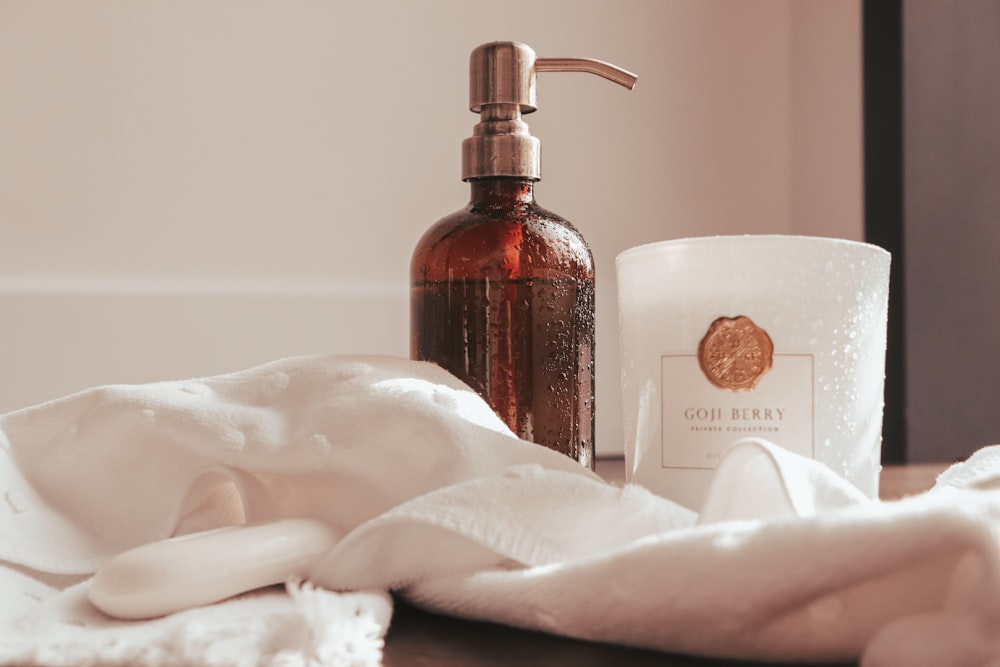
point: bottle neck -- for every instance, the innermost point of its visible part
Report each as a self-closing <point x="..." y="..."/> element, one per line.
<point x="502" y="190"/>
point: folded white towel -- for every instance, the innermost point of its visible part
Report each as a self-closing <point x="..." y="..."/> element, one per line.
<point x="440" y="501"/>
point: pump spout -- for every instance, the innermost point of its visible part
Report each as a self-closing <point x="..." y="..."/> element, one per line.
<point x="502" y="78"/>
<point x="610" y="72"/>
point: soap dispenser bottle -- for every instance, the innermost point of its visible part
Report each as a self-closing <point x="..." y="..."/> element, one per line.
<point x="502" y="291"/>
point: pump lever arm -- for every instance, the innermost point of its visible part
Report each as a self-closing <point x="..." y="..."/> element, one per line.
<point x="599" y="67"/>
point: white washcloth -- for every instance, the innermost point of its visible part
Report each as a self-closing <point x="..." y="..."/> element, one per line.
<point x="440" y="501"/>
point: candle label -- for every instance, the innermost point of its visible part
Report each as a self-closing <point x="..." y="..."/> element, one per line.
<point x="734" y="387"/>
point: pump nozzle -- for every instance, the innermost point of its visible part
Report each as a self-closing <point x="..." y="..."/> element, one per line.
<point x="502" y="77"/>
<point x="599" y="67"/>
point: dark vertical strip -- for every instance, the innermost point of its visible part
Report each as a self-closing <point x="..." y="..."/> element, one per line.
<point x="882" y="44"/>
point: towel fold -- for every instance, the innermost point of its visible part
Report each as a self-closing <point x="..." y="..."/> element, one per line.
<point x="439" y="501"/>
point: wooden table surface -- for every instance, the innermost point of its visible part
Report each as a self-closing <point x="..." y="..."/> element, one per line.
<point x="417" y="638"/>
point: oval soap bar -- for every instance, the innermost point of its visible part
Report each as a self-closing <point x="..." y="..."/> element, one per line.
<point x="197" y="569"/>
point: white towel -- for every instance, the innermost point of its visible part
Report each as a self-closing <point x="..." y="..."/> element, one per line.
<point x="442" y="503"/>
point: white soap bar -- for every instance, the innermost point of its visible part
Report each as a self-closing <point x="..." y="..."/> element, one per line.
<point x="197" y="569"/>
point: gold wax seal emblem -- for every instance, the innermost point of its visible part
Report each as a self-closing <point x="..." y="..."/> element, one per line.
<point x="735" y="353"/>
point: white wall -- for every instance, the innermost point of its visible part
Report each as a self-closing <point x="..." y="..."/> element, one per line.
<point x="188" y="188"/>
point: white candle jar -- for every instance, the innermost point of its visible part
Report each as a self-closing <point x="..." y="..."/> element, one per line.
<point x="771" y="336"/>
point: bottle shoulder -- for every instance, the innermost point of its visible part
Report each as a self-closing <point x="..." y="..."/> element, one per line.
<point x="523" y="241"/>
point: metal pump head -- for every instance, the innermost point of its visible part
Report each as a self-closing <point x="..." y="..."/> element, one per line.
<point x="502" y="79"/>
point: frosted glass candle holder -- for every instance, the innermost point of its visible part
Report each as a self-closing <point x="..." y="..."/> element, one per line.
<point x="727" y="337"/>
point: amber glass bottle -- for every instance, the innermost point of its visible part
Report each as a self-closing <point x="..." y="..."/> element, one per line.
<point x="502" y="296"/>
<point x="502" y="292"/>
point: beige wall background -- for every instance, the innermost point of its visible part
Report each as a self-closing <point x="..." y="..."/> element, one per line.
<point x="189" y="188"/>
